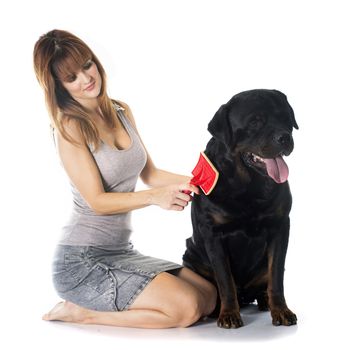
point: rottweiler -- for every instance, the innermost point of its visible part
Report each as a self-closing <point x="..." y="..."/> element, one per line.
<point x="241" y="229"/>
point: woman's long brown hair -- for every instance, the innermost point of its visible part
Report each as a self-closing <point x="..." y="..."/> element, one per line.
<point x="60" y="52"/>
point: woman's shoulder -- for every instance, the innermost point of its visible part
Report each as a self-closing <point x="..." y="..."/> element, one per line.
<point x="126" y="109"/>
<point x="120" y="104"/>
<point x="70" y="130"/>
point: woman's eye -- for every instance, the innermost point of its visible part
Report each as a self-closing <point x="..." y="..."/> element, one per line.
<point x="71" y="78"/>
<point x="87" y="65"/>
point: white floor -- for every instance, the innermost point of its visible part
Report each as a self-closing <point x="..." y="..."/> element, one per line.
<point x="325" y="328"/>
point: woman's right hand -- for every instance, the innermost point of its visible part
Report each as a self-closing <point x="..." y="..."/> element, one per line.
<point x="172" y="197"/>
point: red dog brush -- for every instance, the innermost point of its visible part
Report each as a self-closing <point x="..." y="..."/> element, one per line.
<point x="204" y="174"/>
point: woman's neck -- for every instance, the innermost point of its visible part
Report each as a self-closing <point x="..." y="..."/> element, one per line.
<point x="90" y="104"/>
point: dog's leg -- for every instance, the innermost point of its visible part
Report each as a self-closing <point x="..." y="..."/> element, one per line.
<point x="229" y="316"/>
<point x="259" y="283"/>
<point x="263" y="301"/>
<point x="277" y="250"/>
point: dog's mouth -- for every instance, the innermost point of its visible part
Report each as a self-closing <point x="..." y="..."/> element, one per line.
<point x="276" y="167"/>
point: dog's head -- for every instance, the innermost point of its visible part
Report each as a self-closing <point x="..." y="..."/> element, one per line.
<point x="256" y="126"/>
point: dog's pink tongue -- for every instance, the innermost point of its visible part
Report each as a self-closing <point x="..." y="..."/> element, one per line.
<point x="277" y="169"/>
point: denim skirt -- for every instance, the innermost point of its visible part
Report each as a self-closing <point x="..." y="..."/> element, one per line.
<point x="102" y="279"/>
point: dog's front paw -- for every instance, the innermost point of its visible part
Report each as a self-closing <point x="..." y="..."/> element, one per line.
<point x="230" y="319"/>
<point x="283" y="317"/>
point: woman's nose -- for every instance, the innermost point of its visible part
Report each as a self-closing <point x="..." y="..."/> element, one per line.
<point x="85" y="77"/>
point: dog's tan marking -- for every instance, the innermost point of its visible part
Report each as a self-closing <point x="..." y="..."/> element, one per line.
<point x="219" y="219"/>
<point x="258" y="280"/>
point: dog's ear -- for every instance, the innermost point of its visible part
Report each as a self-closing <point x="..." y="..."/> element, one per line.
<point x="293" y="117"/>
<point x="220" y="126"/>
<point x="291" y="112"/>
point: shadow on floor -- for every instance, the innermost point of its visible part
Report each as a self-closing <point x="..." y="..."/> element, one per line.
<point x="257" y="327"/>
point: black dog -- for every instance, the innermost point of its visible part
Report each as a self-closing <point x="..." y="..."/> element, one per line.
<point x="241" y="230"/>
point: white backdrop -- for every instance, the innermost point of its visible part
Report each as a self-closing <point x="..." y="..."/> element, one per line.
<point x="175" y="63"/>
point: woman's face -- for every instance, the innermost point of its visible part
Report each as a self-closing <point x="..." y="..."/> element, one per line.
<point x="85" y="84"/>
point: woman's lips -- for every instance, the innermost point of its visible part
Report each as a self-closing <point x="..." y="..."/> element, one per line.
<point x="90" y="87"/>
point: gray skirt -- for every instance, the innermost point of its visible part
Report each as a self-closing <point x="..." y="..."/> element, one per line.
<point x="104" y="280"/>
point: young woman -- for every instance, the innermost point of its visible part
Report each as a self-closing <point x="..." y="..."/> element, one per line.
<point x="102" y="279"/>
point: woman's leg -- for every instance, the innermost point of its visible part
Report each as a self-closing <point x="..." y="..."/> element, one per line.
<point x="168" y="301"/>
<point x="207" y="289"/>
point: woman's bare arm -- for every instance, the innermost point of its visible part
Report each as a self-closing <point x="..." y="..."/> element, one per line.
<point x="84" y="174"/>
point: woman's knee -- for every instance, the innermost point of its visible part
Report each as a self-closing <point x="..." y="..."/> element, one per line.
<point x="211" y="298"/>
<point x="207" y="290"/>
<point x="187" y="304"/>
<point x="179" y="300"/>
<point x="189" y="310"/>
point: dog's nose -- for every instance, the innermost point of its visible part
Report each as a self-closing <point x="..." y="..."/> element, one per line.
<point x="283" y="139"/>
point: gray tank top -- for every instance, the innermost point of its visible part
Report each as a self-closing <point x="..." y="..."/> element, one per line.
<point x="119" y="170"/>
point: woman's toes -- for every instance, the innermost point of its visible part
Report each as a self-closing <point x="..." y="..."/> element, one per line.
<point x="66" y="311"/>
<point x="59" y="312"/>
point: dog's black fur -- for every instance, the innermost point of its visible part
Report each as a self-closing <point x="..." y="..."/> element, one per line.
<point x="241" y="230"/>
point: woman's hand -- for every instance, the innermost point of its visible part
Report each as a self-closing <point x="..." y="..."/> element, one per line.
<point x="173" y="197"/>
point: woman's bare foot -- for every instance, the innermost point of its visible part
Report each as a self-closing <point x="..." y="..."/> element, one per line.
<point x="68" y="312"/>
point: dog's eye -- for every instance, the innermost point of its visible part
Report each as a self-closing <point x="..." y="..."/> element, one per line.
<point x="256" y="122"/>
